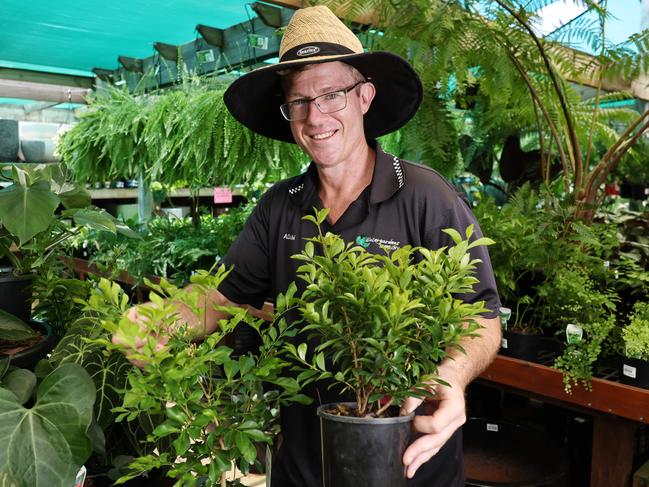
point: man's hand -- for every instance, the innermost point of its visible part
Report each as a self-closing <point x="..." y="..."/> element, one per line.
<point x="135" y="316"/>
<point x="448" y="408"/>
<point x="448" y="413"/>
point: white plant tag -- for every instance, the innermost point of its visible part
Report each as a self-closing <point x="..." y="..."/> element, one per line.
<point x="503" y="343"/>
<point x="628" y="370"/>
<point x="574" y="333"/>
<point x="81" y="477"/>
<point x="492" y="427"/>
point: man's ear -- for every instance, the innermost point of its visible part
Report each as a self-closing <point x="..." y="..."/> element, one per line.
<point x="366" y="95"/>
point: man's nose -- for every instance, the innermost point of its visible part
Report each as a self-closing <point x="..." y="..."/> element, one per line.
<point x="313" y="112"/>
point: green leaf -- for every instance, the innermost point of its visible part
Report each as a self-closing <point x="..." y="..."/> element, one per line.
<point x="13" y="328"/>
<point x="4" y="366"/>
<point x="246" y="447"/>
<point x="27" y="210"/>
<point x="256" y="435"/>
<point x="75" y="197"/>
<point x="165" y="429"/>
<point x="301" y="351"/>
<point x="7" y="481"/>
<point x="21" y="382"/>
<point x="454" y="234"/>
<point x="95" y="218"/>
<point x="46" y="445"/>
<point x="320" y="361"/>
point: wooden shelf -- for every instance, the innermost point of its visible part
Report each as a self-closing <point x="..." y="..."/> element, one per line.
<point x="545" y="382"/>
<point x="616" y="410"/>
<point x="131" y="193"/>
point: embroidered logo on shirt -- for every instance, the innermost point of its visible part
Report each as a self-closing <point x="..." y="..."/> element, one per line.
<point x="362" y="241"/>
<point x="365" y="241"/>
<point x="289" y="236"/>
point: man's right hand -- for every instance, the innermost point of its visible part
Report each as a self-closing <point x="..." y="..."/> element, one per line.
<point x="135" y="316"/>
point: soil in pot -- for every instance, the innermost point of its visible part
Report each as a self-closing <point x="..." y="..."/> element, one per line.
<point x="362" y="451"/>
<point x="26" y="354"/>
<point x="634" y="372"/>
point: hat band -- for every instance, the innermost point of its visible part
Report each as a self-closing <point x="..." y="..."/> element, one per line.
<point x="312" y="49"/>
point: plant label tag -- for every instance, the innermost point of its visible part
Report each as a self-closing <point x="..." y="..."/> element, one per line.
<point x="257" y="41"/>
<point x="492" y="427"/>
<point x="205" y="56"/>
<point x="81" y="477"/>
<point x="574" y="333"/>
<point x="628" y="370"/>
<point x="503" y="343"/>
<point x="222" y="195"/>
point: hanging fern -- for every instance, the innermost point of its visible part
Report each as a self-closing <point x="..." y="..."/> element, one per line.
<point x="184" y="134"/>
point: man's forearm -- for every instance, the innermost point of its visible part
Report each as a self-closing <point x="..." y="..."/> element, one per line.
<point x="461" y="368"/>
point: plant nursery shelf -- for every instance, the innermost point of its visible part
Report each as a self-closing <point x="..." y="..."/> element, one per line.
<point x="131" y="193"/>
<point x="616" y="409"/>
<point x="606" y="396"/>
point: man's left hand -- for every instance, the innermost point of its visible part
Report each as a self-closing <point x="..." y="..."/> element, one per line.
<point x="448" y="415"/>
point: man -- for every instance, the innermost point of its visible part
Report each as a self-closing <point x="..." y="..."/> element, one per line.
<point x="331" y="98"/>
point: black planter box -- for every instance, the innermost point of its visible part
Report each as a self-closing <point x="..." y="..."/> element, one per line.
<point x="634" y="372"/>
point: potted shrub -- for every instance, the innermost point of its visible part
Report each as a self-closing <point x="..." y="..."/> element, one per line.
<point x="32" y="232"/>
<point x="211" y="408"/>
<point x="635" y="361"/>
<point x="383" y="322"/>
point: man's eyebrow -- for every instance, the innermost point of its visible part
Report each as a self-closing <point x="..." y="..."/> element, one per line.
<point x="321" y="91"/>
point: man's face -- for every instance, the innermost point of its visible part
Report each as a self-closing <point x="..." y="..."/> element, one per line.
<point x="329" y="138"/>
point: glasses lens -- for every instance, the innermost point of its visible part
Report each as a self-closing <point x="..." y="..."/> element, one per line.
<point x="295" y="110"/>
<point x="331" y="102"/>
<point x="327" y="103"/>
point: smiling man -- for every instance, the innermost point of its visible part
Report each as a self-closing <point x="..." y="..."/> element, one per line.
<point x="331" y="98"/>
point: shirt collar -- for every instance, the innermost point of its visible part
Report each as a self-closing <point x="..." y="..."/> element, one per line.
<point x="389" y="176"/>
<point x="387" y="179"/>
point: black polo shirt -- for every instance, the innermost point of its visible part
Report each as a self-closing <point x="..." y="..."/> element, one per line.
<point x="404" y="204"/>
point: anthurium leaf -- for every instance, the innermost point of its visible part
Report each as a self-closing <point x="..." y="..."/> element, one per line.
<point x="47" y="444"/>
<point x="7" y="481"/>
<point x="4" y="366"/>
<point x="21" y="382"/>
<point x="27" y="210"/>
<point x="13" y="328"/>
<point x="74" y="196"/>
<point x="96" y="218"/>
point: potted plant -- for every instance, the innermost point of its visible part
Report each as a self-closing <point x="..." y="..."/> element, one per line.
<point x="32" y="231"/>
<point x="635" y="360"/>
<point x="383" y="322"/>
<point x="210" y="406"/>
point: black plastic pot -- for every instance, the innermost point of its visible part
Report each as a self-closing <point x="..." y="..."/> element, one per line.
<point x="16" y="295"/>
<point x="363" y="451"/>
<point x="524" y="346"/>
<point x="634" y="372"/>
<point x="9" y="140"/>
<point x="498" y="453"/>
<point x="28" y="357"/>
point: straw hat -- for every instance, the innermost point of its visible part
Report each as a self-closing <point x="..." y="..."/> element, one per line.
<point x="316" y="35"/>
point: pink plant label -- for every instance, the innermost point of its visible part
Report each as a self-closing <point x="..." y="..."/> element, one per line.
<point x="222" y="195"/>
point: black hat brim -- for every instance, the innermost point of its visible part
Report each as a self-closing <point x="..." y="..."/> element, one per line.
<point x="254" y="99"/>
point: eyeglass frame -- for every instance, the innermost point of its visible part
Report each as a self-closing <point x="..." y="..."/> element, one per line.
<point x="315" y="98"/>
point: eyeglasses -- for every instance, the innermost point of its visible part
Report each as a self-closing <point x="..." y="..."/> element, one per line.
<point x="326" y="103"/>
